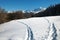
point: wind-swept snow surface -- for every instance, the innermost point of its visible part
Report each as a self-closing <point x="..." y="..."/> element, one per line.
<point x="39" y="28"/>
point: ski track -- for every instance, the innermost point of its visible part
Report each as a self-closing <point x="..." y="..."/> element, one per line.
<point x="52" y="33"/>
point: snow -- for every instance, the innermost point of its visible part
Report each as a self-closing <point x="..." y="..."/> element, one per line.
<point x="37" y="28"/>
<point x="38" y="10"/>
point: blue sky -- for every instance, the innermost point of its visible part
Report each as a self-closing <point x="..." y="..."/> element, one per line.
<point x="11" y="5"/>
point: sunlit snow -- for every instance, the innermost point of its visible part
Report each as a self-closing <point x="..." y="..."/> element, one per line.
<point x="37" y="28"/>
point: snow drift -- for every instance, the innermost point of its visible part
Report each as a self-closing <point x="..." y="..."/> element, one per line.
<point x="37" y="28"/>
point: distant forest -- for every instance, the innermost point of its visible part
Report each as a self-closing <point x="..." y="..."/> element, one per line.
<point x="53" y="10"/>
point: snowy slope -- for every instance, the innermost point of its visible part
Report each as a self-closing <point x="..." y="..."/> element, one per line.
<point x="38" y="28"/>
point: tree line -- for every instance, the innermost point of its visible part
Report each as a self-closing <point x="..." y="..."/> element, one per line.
<point x="5" y="16"/>
<point x="53" y="10"/>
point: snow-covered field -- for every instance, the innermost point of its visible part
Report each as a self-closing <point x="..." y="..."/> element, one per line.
<point x="37" y="28"/>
